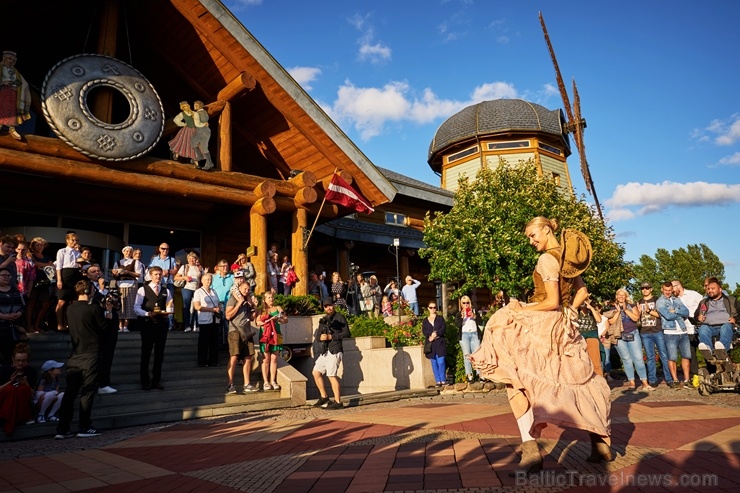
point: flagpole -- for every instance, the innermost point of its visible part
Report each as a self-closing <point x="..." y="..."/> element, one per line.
<point x="318" y="214"/>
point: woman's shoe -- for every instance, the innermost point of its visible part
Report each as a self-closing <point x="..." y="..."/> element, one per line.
<point x="600" y="450"/>
<point x="531" y="461"/>
<point x="275" y="386"/>
<point x="266" y="386"/>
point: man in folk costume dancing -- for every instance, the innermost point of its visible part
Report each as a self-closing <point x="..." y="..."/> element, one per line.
<point x="536" y="349"/>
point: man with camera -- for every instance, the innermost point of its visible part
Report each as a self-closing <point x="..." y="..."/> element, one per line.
<point x="239" y="313"/>
<point x="332" y="329"/>
<point x="87" y="321"/>
<point x="109" y="337"/>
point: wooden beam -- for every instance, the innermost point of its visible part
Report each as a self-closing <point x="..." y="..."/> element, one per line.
<point x="224" y="138"/>
<point x="24" y="162"/>
<point x="102" y="101"/>
<point x="298" y="254"/>
<point x="241" y="84"/>
<point x="33" y="144"/>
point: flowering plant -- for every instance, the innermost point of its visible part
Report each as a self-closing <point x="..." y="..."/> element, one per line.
<point x="404" y="334"/>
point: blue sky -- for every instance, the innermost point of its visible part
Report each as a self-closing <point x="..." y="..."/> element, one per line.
<point x="658" y="83"/>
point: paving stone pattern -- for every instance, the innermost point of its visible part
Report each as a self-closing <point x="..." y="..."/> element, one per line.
<point x="664" y="441"/>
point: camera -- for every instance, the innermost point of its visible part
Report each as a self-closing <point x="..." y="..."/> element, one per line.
<point x="354" y="268"/>
<point x="217" y="316"/>
<point x="114" y="296"/>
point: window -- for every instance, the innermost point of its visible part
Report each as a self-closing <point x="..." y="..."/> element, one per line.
<point x="556" y="178"/>
<point x="550" y="148"/>
<point x="458" y="156"/>
<point x="508" y="145"/>
<point x="395" y="218"/>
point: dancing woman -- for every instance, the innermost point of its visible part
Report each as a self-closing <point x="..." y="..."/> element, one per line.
<point x="541" y="356"/>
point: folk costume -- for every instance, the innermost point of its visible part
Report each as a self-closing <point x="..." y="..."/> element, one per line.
<point x="541" y="355"/>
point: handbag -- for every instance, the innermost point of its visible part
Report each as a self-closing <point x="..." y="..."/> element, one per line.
<point x="428" y="348"/>
<point x="180" y="284"/>
<point x="628" y="336"/>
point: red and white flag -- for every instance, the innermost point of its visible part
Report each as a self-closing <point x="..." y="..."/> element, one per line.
<point x="340" y="192"/>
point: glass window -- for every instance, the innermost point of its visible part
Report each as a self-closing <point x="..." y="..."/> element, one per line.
<point x="467" y="152"/>
<point x="395" y="218"/>
<point x="508" y="145"/>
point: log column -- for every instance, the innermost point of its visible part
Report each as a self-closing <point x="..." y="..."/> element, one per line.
<point x="224" y="138"/>
<point x="258" y="236"/>
<point x="299" y="256"/>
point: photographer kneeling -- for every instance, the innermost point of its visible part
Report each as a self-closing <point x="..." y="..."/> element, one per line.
<point x="332" y="329"/>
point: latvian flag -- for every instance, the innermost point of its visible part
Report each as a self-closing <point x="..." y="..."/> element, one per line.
<point x="340" y="192"/>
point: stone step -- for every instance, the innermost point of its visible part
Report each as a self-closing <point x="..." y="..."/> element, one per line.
<point x="190" y="391"/>
<point x="145" y="417"/>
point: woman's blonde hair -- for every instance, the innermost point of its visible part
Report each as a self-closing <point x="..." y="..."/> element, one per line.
<point x="542" y="221"/>
<point x="192" y="255"/>
<point x="464" y="298"/>
<point x="206" y="275"/>
<point x="339" y="277"/>
<point x="627" y="296"/>
<point x="38" y="240"/>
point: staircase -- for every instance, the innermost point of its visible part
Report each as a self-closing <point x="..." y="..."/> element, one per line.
<point x="189" y="391"/>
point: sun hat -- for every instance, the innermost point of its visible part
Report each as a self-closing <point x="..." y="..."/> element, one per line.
<point x="575" y="253"/>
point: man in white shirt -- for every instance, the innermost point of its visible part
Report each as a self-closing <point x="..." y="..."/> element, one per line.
<point x="409" y="294"/>
<point x="691" y="299"/>
<point x="153" y="305"/>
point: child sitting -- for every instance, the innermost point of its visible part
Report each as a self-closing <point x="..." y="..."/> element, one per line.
<point x="387" y="306"/>
<point x="47" y="392"/>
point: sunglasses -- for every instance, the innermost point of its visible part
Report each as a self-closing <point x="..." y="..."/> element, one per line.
<point x="432" y="307"/>
<point x="465" y="302"/>
<point x="646" y="289"/>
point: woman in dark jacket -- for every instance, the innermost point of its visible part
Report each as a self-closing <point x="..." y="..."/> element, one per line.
<point x="467" y="333"/>
<point x="433" y="328"/>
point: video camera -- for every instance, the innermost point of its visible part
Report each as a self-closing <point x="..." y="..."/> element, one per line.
<point x="354" y="269"/>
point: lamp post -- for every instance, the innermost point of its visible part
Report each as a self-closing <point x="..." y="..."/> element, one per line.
<point x="397" y="243"/>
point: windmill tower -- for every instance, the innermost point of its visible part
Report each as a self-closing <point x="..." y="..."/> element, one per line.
<point x="576" y="123"/>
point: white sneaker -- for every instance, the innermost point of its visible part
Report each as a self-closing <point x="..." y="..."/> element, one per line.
<point x="188" y="329"/>
<point x="107" y="390"/>
<point x="719" y="345"/>
<point x="125" y="329"/>
<point x="703" y="346"/>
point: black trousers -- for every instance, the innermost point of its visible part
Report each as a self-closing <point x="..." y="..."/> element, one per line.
<point x="153" y="336"/>
<point x="694" y="365"/>
<point x="84" y="380"/>
<point x="108" y="341"/>
<point x="208" y="339"/>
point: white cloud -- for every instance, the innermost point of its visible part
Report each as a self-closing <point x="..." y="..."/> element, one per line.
<point x="733" y="160"/>
<point x="368" y="109"/>
<point x="370" y="50"/>
<point x="721" y="132"/>
<point x="654" y="197"/>
<point x="729" y="135"/>
<point x="375" y="53"/>
<point x="305" y="75"/>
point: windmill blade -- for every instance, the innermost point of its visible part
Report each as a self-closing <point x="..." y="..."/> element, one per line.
<point x="580" y="125"/>
<point x="561" y="85"/>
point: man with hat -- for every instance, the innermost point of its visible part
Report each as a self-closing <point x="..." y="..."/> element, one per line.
<point x="651" y="333"/>
<point x="328" y="336"/>
<point x="15" y="96"/>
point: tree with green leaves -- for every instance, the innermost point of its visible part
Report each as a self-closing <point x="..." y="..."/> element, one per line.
<point x="480" y="242"/>
<point x="691" y="265"/>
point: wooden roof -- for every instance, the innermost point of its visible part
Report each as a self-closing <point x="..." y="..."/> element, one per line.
<point x="188" y="50"/>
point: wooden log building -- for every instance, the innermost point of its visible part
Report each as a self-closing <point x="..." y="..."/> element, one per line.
<point x="275" y="149"/>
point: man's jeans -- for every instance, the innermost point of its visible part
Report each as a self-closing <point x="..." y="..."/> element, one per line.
<point x="650" y="342"/>
<point x="724" y="332"/>
<point x="470" y="344"/>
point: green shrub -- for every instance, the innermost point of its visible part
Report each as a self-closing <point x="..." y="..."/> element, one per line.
<point x="299" y="306"/>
